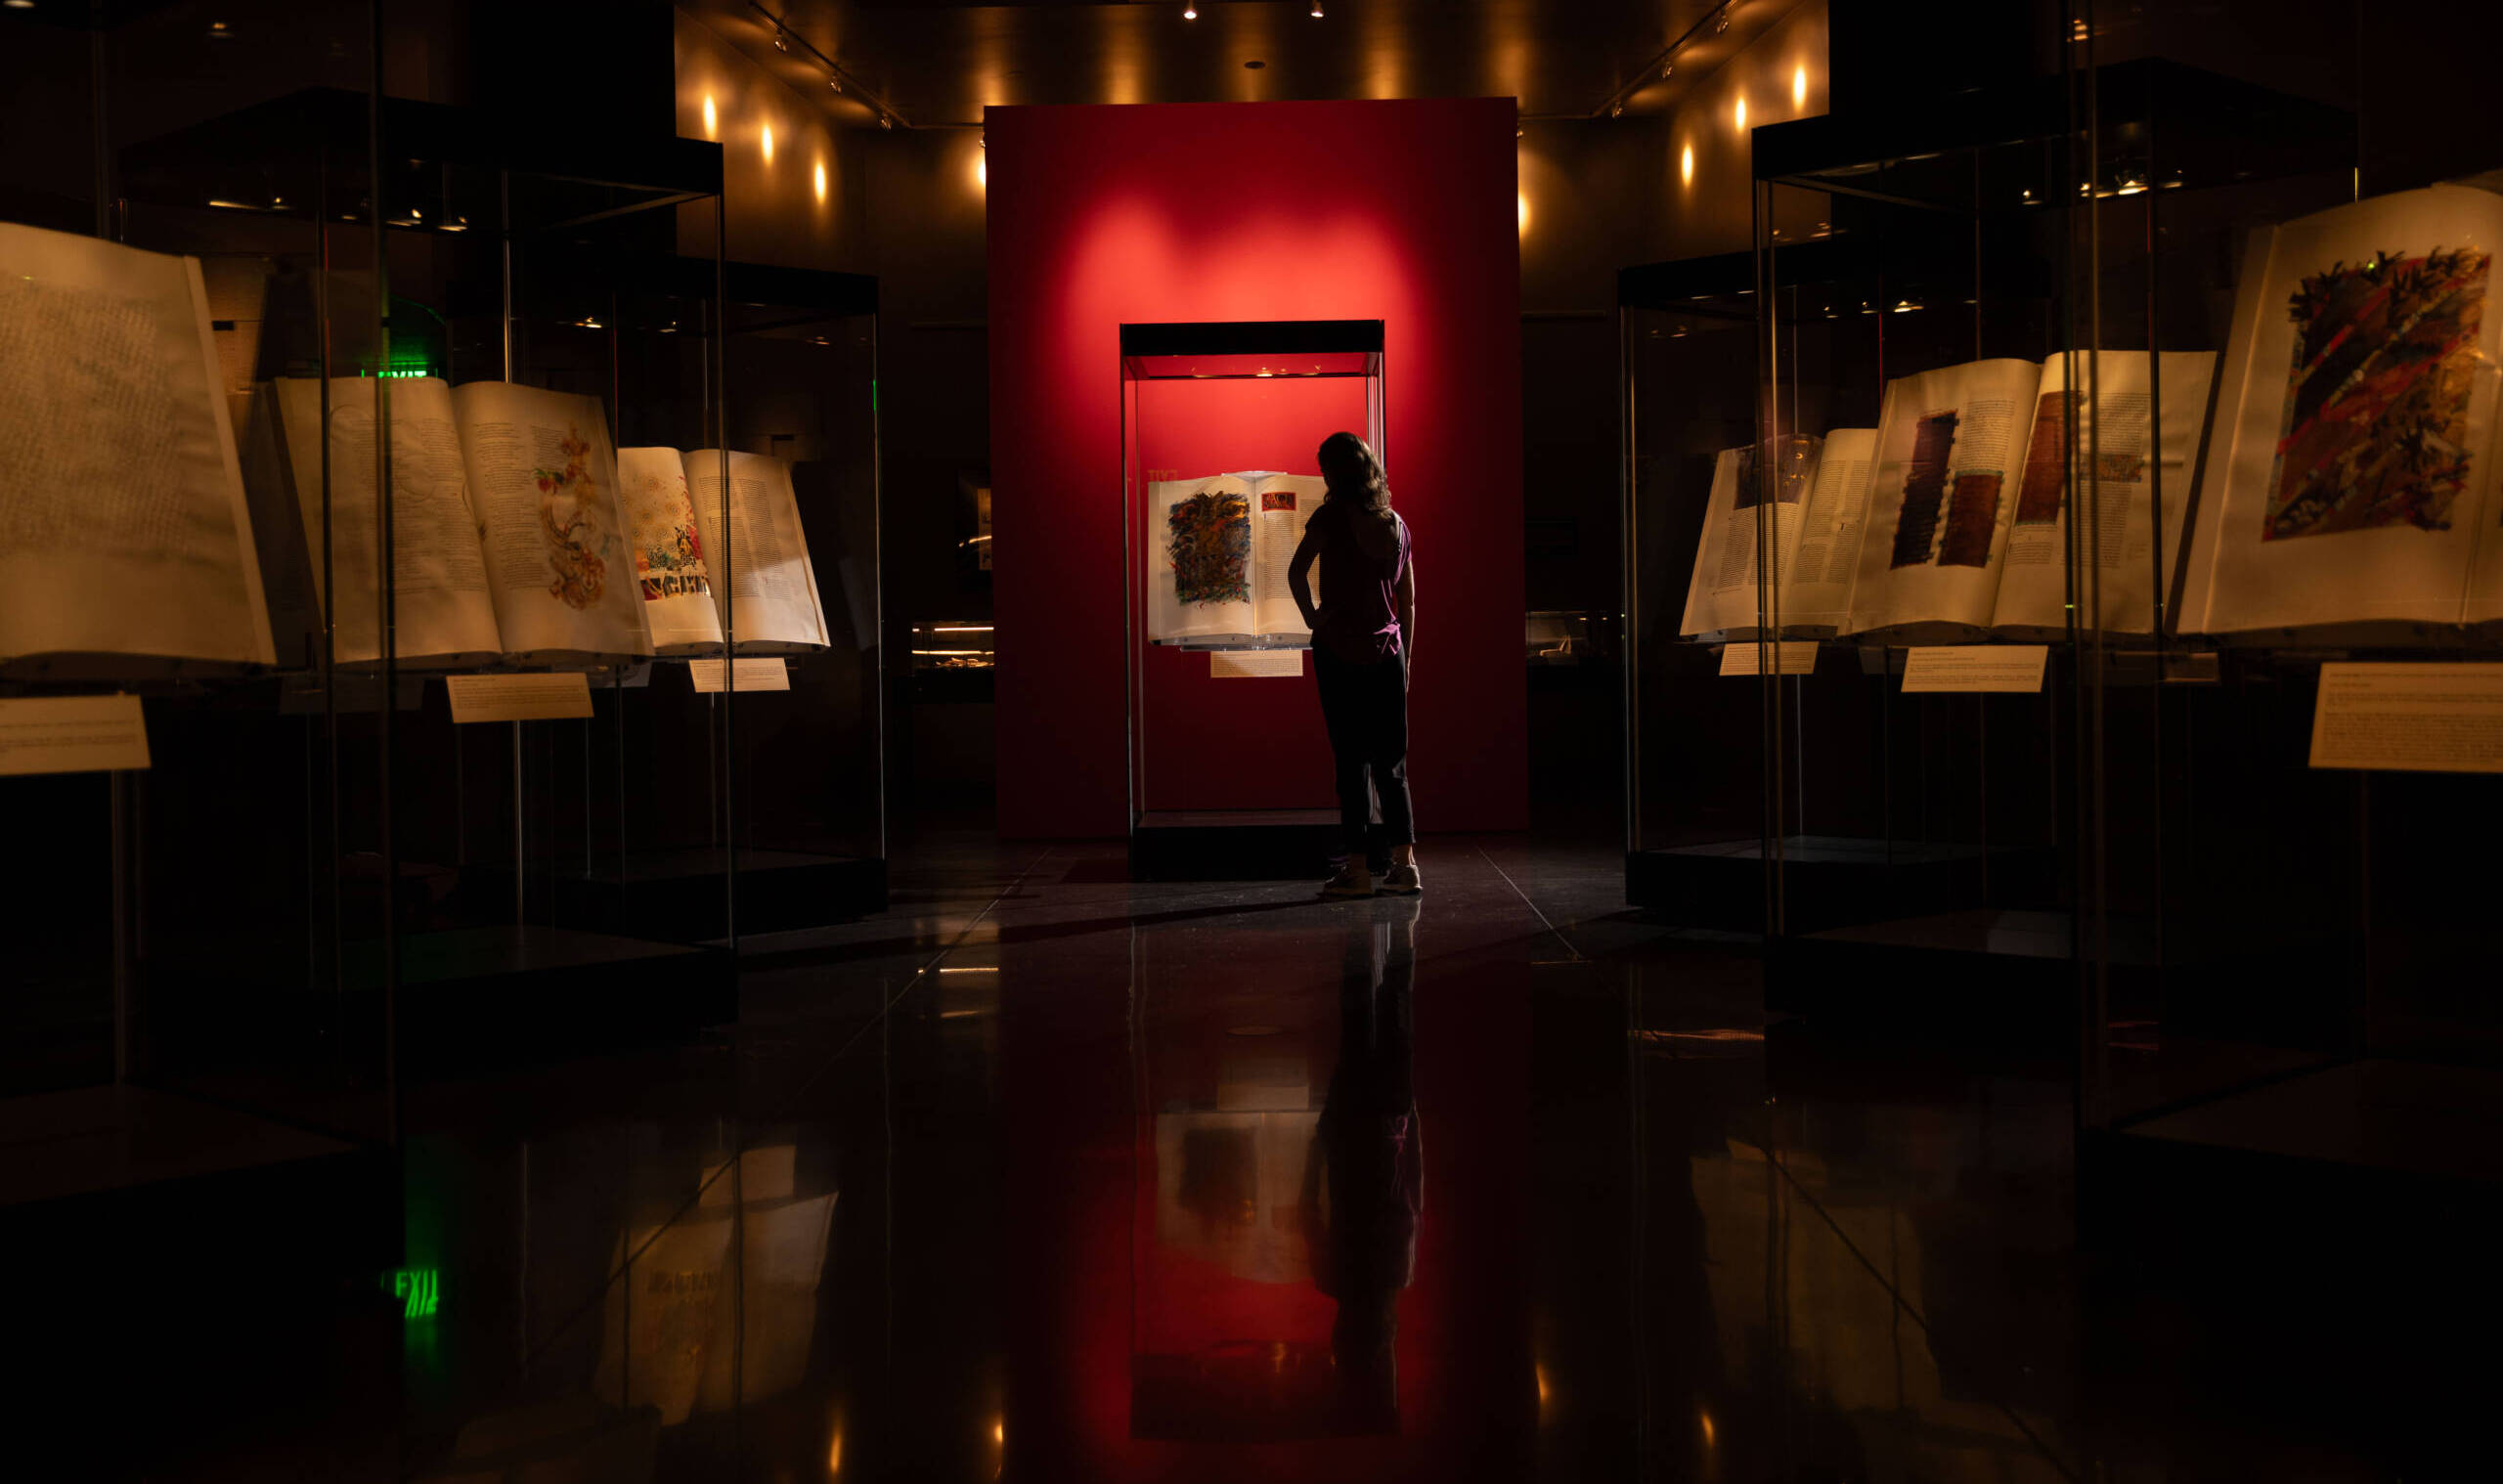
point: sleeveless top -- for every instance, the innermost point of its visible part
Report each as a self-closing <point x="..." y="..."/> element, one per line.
<point x="1359" y="588"/>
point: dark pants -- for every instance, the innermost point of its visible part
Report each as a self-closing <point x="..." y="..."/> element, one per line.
<point x="1365" y="706"/>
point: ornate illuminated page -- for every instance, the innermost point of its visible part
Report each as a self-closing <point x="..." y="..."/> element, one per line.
<point x="2126" y="490"/>
<point x="122" y="517"/>
<point x="544" y="485"/>
<point x="2350" y="476"/>
<point x="1950" y="447"/>
<point x="668" y="545"/>
<point x="1199" y="558"/>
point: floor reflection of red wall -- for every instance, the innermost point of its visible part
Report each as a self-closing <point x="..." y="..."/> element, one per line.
<point x="1099" y="216"/>
<point x="1070" y="1275"/>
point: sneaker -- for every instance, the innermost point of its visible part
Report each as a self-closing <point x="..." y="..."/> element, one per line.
<point x="1353" y="880"/>
<point x="1402" y="880"/>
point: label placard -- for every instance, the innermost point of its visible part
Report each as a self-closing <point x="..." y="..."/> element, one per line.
<point x="1255" y="664"/>
<point x="2014" y="668"/>
<point x="1746" y="656"/>
<point x="2423" y="719"/>
<point x="518" y="697"/>
<point x="71" y="734"/>
<point x="767" y="674"/>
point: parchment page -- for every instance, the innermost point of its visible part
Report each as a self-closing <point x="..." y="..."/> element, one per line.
<point x="442" y="613"/>
<point x="1950" y="448"/>
<point x="1208" y="594"/>
<point x="763" y="549"/>
<point x="2126" y="490"/>
<point x="2351" y="472"/>
<point x="669" y="552"/>
<point x="123" y="525"/>
<point x="1722" y="595"/>
<point x="545" y="485"/>
<point x="1281" y="503"/>
<point x="1816" y="584"/>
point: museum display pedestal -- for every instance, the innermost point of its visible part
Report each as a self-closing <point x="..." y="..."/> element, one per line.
<point x="1234" y="844"/>
<point x="473" y="995"/>
<point x="676" y="893"/>
<point x="1827" y="880"/>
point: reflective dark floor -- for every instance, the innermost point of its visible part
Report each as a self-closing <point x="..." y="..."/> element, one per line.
<point x="1049" y="1175"/>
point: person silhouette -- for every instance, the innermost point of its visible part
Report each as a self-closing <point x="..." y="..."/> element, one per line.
<point x="1363" y="645"/>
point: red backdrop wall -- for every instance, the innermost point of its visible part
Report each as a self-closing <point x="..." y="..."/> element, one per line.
<point x="1099" y="216"/>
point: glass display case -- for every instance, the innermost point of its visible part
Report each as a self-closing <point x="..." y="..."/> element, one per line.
<point x="1221" y="427"/>
<point x="477" y="474"/>
<point x="2035" y="709"/>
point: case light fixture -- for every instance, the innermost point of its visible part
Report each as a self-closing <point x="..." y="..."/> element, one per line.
<point x="17" y="4"/>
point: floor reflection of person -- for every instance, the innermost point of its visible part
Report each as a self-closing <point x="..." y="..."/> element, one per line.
<point x="1364" y="1184"/>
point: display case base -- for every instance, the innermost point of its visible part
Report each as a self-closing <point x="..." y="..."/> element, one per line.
<point x="1828" y="879"/>
<point x="2374" y="1165"/>
<point x="468" y="995"/>
<point x="677" y="894"/>
<point x="1234" y="845"/>
<point x="1981" y="974"/>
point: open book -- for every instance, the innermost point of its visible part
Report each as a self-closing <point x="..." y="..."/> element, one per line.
<point x="1219" y="549"/>
<point x="1819" y="492"/>
<point x="505" y="529"/>
<point x="1967" y="529"/>
<point x="123" y="522"/>
<point x="2351" y="478"/>
<point x="683" y="548"/>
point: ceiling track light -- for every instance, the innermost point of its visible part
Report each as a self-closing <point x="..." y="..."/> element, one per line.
<point x="835" y="83"/>
<point x="782" y="38"/>
<point x="886" y="122"/>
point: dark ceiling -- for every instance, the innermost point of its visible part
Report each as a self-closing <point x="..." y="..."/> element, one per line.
<point x="935" y="65"/>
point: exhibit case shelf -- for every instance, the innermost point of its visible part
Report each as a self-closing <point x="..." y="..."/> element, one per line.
<point x="1221" y="427"/>
<point x="2023" y="649"/>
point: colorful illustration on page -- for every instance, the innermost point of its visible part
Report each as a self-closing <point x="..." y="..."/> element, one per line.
<point x="1209" y="538"/>
<point x="2375" y="432"/>
<point x="669" y="552"/>
<point x="1277" y="500"/>
<point x="574" y="516"/>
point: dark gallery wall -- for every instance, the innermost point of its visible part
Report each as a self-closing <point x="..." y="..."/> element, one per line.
<point x="1400" y="211"/>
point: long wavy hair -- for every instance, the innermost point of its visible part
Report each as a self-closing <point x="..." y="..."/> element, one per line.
<point x="1354" y="473"/>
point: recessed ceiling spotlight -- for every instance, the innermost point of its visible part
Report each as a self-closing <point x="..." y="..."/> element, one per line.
<point x="17" y="4"/>
<point x="1190" y="9"/>
<point x="1316" y="9"/>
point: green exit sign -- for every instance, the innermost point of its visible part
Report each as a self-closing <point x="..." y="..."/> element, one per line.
<point x="420" y="1289"/>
